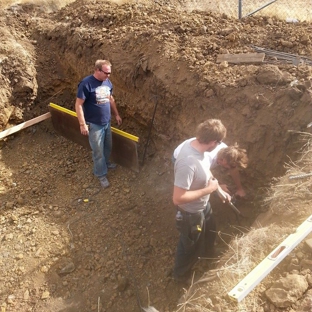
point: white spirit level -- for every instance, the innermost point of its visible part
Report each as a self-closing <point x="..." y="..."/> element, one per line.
<point x="245" y="286"/>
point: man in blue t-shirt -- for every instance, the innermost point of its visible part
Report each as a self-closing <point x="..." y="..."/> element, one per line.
<point x="93" y="106"/>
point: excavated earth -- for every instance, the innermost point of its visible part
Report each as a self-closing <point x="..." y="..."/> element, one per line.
<point x="67" y="245"/>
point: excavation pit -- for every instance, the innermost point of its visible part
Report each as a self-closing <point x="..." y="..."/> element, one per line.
<point x="119" y="243"/>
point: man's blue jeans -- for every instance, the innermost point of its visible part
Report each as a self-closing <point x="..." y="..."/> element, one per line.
<point x="100" y="139"/>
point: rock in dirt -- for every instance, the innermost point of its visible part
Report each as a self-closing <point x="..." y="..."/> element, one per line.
<point x="287" y="290"/>
<point x="68" y="268"/>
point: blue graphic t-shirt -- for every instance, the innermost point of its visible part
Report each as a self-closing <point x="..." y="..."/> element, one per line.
<point x="95" y="94"/>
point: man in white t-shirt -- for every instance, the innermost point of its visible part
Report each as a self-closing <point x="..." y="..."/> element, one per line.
<point x="230" y="157"/>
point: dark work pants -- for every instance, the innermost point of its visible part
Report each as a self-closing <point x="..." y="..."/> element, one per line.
<point x="193" y="243"/>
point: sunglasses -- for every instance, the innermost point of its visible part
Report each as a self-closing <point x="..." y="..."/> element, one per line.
<point x="106" y="73"/>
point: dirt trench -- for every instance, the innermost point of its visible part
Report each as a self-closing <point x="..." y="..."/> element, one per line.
<point x="121" y="244"/>
<point x="172" y="67"/>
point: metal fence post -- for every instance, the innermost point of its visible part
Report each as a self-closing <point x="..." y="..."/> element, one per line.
<point x="240" y="3"/>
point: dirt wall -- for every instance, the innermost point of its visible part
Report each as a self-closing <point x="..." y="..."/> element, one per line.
<point x="172" y="65"/>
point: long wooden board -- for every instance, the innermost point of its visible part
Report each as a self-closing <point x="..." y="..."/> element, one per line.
<point x="124" y="150"/>
<point x="24" y="125"/>
<point x="241" y="58"/>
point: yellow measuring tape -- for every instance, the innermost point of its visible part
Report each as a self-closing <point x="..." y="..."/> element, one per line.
<point x="120" y="132"/>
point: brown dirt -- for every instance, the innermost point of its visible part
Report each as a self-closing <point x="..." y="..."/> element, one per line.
<point x="119" y="243"/>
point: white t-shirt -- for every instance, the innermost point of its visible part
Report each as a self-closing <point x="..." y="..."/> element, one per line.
<point x="212" y="156"/>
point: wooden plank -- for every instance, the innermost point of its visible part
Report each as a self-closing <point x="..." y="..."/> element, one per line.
<point x="241" y="58"/>
<point x="115" y="130"/>
<point x="124" y="149"/>
<point x="24" y="125"/>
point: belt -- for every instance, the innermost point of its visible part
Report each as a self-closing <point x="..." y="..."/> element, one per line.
<point x="188" y="213"/>
<point x="197" y="212"/>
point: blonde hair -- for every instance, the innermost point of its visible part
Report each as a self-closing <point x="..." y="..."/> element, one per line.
<point x="99" y="63"/>
<point x="210" y="130"/>
<point x="234" y="156"/>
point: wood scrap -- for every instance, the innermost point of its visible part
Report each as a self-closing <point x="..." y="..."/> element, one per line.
<point x="241" y="58"/>
<point x="24" y="125"/>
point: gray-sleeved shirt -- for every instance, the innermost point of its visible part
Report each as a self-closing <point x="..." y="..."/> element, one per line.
<point x="192" y="172"/>
<point x="212" y="155"/>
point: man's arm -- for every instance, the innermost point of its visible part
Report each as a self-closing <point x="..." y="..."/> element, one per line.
<point x="80" y="115"/>
<point x="236" y="178"/>
<point x="115" y="110"/>
<point x="182" y="196"/>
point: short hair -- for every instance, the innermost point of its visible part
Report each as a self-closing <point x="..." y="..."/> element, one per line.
<point x="234" y="156"/>
<point x="99" y="63"/>
<point x="210" y="130"/>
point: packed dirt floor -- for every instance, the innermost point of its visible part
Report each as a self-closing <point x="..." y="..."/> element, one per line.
<point x="68" y="245"/>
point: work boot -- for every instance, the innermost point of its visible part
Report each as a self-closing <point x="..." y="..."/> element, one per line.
<point x="104" y="182"/>
<point x="111" y="166"/>
<point x="184" y="279"/>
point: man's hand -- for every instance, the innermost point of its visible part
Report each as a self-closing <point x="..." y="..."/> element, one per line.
<point x="224" y="196"/>
<point x="213" y="184"/>
<point x="240" y="193"/>
<point x="84" y="129"/>
<point x="119" y="120"/>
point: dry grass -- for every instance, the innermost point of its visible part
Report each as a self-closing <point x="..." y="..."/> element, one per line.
<point x="286" y="193"/>
<point x="49" y="5"/>
<point x="245" y="253"/>
<point x="300" y="9"/>
<point x="56" y="4"/>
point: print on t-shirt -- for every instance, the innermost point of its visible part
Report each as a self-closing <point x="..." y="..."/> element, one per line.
<point x="102" y="94"/>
